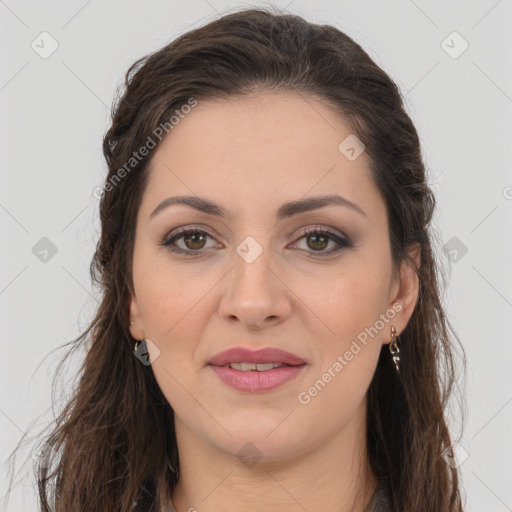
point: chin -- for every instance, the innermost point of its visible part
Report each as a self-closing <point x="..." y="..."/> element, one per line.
<point x="261" y="440"/>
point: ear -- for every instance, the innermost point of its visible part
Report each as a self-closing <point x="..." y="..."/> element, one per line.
<point x="136" y="324"/>
<point x="405" y="290"/>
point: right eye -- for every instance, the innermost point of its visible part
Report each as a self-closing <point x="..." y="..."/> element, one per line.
<point x="186" y="241"/>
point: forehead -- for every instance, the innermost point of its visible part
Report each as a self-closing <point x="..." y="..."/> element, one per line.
<point x="248" y="148"/>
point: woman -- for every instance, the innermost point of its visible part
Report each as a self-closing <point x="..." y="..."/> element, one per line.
<point x="271" y="335"/>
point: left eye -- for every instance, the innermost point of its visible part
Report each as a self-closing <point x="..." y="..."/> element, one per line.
<point x="319" y="240"/>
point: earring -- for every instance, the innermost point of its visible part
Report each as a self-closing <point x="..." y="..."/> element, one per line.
<point x="394" y="349"/>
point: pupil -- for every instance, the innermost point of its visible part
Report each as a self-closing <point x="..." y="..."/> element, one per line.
<point x="317" y="237"/>
<point x="194" y="238"/>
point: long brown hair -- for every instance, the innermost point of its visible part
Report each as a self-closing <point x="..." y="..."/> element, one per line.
<point x="113" y="444"/>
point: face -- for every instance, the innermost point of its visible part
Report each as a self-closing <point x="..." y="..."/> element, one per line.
<point x="314" y="280"/>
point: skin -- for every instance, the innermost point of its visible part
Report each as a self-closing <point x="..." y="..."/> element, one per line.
<point x="250" y="155"/>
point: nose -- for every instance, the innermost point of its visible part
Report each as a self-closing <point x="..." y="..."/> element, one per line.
<point x="254" y="295"/>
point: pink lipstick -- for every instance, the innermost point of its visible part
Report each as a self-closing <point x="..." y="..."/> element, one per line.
<point x="255" y="371"/>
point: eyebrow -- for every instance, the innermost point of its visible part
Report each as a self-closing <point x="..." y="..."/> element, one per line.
<point x="286" y="210"/>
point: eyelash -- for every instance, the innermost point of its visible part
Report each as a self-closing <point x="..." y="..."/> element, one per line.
<point x="180" y="233"/>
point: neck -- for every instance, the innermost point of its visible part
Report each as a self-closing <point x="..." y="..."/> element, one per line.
<point x="334" y="476"/>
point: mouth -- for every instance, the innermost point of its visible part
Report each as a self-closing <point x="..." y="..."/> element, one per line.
<point x="256" y="371"/>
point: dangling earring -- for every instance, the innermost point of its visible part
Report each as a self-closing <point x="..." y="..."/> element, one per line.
<point x="393" y="348"/>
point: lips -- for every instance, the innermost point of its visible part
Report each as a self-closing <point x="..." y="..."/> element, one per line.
<point x="256" y="380"/>
<point x="244" y="355"/>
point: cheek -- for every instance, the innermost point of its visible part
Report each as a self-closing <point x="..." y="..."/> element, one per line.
<point x="350" y="305"/>
<point x="172" y="302"/>
<point x="174" y="312"/>
<point x="347" y="302"/>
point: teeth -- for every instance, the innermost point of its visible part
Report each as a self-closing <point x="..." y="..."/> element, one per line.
<point x="260" y="367"/>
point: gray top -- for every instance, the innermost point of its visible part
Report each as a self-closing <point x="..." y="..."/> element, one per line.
<point x="381" y="500"/>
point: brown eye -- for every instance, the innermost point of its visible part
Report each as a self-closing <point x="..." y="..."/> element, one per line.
<point x="187" y="241"/>
<point x="318" y="242"/>
<point x="195" y="240"/>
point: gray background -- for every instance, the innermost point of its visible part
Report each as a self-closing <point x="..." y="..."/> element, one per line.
<point x="55" y="110"/>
